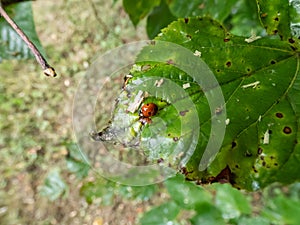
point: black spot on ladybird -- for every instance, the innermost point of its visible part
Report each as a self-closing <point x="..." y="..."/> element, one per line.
<point x="287" y="130"/>
<point x="149" y="109"/>
<point x="279" y="115"/>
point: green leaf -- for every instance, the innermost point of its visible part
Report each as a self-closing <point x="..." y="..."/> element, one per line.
<point x="54" y="186"/>
<point x="99" y="189"/>
<point x="11" y="45"/>
<point x="139" y="9"/>
<point x="143" y="193"/>
<point x="275" y="17"/>
<point x="231" y="202"/>
<point x="282" y="210"/>
<point x="187" y="195"/>
<point x="294" y="11"/>
<point x="253" y="220"/>
<point x="244" y="20"/>
<point x="207" y="214"/>
<point x="75" y="161"/>
<point x="260" y="84"/>
<point x="160" y="215"/>
<point x="219" y="10"/>
<point x="159" y="18"/>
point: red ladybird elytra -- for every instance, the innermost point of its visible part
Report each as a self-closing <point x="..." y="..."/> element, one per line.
<point x="149" y="109"/>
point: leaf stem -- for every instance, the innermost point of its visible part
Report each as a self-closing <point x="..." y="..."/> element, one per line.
<point x="48" y="70"/>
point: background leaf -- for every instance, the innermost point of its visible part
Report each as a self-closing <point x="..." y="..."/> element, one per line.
<point x="230" y="201"/>
<point x="219" y="10"/>
<point x="54" y="186"/>
<point x="187" y="195"/>
<point x="275" y="17"/>
<point x="138" y="9"/>
<point x="11" y="45"/>
<point x="159" y="18"/>
<point x="160" y="215"/>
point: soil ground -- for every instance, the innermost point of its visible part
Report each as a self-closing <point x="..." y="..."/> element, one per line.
<point x="36" y="119"/>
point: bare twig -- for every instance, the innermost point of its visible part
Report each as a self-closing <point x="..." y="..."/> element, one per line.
<point x="48" y="70"/>
<point x="98" y="18"/>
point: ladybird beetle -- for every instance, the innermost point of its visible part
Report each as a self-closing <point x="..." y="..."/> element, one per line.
<point x="149" y="109"/>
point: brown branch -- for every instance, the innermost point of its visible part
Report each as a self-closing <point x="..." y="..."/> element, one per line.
<point x="48" y="70"/>
<point x="98" y="18"/>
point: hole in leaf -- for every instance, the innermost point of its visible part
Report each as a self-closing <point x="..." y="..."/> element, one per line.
<point x="263" y="163"/>
<point x="226" y="39"/>
<point x="273" y="62"/>
<point x="248" y="154"/>
<point x="233" y="144"/>
<point x="276" y="19"/>
<point x="186" y="20"/>
<point x="228" y="64"/>
<point x="259" y="151"/>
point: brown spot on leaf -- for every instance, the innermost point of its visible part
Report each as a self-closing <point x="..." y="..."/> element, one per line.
<point x="279" y="115"/>
<point x="175" y="139"/>
<point x="291" y="40"/>
<point x="182" y="113"/>
<point x="170" y="62"/>
<point x="263" y="15"/>
<point x="228" y="64"/>
<point x="287" y="130"/>
<point x="225" y="176"/>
